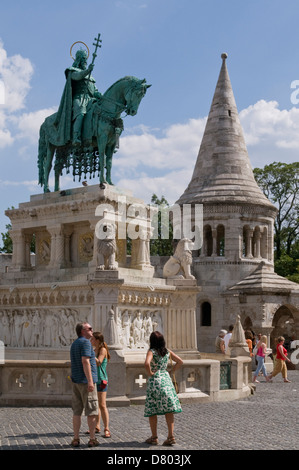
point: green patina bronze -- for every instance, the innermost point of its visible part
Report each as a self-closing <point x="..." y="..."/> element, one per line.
<point x="84" y="132"/>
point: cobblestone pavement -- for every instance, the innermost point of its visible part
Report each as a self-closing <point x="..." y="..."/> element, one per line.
<point x="267" y="420"/>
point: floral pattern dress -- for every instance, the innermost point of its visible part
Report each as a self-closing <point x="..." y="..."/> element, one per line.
<point x="161" y="396"/>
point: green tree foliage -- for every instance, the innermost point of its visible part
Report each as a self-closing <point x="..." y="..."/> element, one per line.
<point x="280" y="183"/>
<point x="159" y="245"/>
<point x="6" y="240"/>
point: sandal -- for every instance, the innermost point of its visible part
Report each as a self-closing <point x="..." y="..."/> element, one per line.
<point x="152" y="440"/>
<point x="97" y="430"/>
<point x="93" y="443"/>
<point x="169" y="441"/>
<point x="107" y="433"/>
<point x="75" y="442"/>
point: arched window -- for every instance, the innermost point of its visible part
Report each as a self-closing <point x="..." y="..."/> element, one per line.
<point x="208" y="241"/>
<point x="206" y="314"/>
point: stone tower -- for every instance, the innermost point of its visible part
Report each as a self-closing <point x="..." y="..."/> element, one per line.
<point x="238" y="219"/>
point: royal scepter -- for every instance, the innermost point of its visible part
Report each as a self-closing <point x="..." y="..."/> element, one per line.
<point x="94" y="55"/>
<point x="96" y="44"/>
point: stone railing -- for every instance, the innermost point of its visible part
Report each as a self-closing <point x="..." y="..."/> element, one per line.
<point x="47" y="383"/>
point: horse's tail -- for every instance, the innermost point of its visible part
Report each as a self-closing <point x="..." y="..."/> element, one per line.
<point x="42" y="154"/>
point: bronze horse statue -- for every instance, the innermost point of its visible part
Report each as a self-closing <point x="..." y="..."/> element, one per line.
<point x="102" y="126"/>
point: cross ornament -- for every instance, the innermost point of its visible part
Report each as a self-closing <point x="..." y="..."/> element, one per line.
<point x="140" y="381"/>
<point x="21" y="380"/>
<point x="49" y="380"/>
<point x="191" y="377"/>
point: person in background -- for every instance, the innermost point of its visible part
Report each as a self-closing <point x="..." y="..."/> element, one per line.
<point x="280" y="361"/>
<point x="102" y="357"/>
<point x="161" y="397"/>
<point x="84" y="377"/>
<point x="249" y="338"/>
<point x="227" y="338"/>
<point x="219" y="342"/>
<point x="260" y="356"/>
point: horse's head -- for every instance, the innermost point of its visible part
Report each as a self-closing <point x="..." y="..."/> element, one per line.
<point x="134" y="94"/>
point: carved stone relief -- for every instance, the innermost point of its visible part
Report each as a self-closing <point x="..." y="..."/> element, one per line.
<point x="86" y="247"/>
<point x="41" y="327"/>
<point x="135" y="326"/>
<point x="44" y="250"/>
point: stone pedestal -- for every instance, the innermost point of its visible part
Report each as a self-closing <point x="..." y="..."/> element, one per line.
<point x="42" y="301"/>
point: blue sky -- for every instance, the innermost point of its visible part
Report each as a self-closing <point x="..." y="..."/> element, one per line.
<point x="176" y="46"/>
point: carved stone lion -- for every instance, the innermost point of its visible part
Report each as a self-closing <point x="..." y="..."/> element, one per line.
<point x="180" y="262"/>
<point x="106" y="249"/>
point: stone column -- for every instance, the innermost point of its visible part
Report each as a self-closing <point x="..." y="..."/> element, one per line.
<point x="19" y="251"/>
<point x="180" y="317"/>
<point x="105" y="285"/>
<point x="28" y="238"/>
<point x="270" y="243"/>
<point x="214" y="237"/>
<point x="93" y="263"/>
<point x="141" y="252"/>
<point x="257" y="251"/>
<point x="248" y="244"/>
<point x="67" y="247"/>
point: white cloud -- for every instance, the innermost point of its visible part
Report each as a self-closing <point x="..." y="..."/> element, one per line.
<point x="178" y="146"/>
<point x="171" y="185"/>
<point x="164" y="165"/>
<point x="5" y="138"/>
<point x="264" y="122"/>
<point x="29" y="124"/>
<point x="15" y="74"/>
<point x="149" y="160"/>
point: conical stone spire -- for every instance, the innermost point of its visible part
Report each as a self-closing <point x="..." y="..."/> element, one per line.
<point x="223" y="172"/>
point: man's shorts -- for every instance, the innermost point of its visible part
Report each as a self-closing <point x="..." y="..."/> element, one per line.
<point x="82" y="400"/>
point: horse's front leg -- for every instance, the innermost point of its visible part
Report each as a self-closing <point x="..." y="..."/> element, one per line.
<point x="102" y="140"/>
<point x="47" y="167"/>
<point x="102" y="158"/>
<point x="109" y="155"/>
<point x="58" y="167"/>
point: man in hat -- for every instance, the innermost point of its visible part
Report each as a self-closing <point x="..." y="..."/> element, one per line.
<point x="219" y="343"/>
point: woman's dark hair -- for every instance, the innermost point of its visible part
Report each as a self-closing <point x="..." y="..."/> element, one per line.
<point x="248" y="334"/>
<point x="100" y="337"/>
<point x="157" y="342"/>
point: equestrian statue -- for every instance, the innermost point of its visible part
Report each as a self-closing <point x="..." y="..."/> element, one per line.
<point x="84" y="132"/>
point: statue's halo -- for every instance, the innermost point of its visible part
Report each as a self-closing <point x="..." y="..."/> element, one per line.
<point x="77" y="42"/>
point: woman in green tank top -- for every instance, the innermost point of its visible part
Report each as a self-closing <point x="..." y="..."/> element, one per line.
<point x="102" y="357"/>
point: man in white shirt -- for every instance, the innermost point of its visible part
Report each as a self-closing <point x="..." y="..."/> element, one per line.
<point x="227" y="338"/>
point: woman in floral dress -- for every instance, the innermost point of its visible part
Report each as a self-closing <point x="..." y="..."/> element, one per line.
<point x="161" y="397"/>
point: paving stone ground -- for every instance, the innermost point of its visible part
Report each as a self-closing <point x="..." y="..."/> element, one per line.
<point x="267" y="420"/>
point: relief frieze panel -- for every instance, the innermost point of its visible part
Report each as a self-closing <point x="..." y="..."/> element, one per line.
<point x="40" y="327"/>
